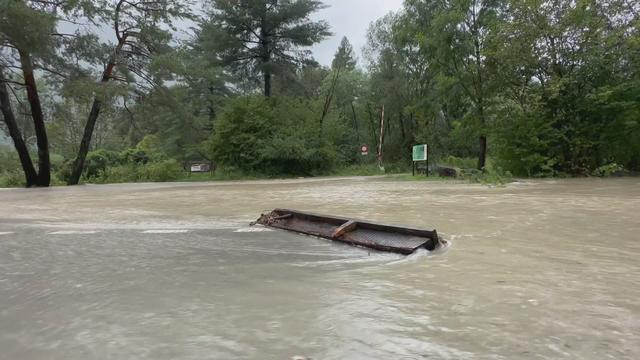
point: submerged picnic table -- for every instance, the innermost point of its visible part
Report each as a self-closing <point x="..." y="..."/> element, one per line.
<point x="403" y="240"/>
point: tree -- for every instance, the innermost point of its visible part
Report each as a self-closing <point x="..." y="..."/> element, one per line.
<point x="570" y="93"/>
<point x="345" y="57"/>
<point x="137" y="25"/>
<point x="31" y="176"/>
<point x="262" y="36"/>
<point x="17" y="47"/>
<point x="464" y="29"/>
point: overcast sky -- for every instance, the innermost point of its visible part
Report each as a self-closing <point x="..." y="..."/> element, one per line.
<point x="350" y="18"/>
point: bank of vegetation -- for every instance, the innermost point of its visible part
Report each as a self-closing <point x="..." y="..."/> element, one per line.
<point x="135" y="90"/>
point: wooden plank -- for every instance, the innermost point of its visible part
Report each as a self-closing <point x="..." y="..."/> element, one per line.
<point x="345" y="228"/>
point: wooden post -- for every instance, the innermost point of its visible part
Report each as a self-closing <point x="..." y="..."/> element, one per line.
<point x="426" y="161"/>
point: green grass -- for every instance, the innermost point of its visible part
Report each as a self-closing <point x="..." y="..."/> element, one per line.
<point x="418" y="177"/>
<point x="358" y="170"/>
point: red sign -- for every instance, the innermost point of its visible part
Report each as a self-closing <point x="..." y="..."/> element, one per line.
<point x="364" y="150"/>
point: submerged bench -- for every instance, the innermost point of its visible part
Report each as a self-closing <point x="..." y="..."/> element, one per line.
<point x="397" y="239"/>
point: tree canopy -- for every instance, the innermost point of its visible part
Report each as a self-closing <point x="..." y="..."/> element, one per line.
<point x="530" y="87"/>
<point x="262" y="37"/>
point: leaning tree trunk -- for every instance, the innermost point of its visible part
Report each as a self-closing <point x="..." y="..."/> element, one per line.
<point x="44" y="164"/>
<point x="78" y="164"/>
<point x="30" y="174"/>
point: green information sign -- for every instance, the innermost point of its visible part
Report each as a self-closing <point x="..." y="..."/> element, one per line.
<point x="420" y="153"/>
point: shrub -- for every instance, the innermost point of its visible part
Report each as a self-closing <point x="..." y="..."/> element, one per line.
<point x="608" y="170"/>
<point x="462" y="163"/>
<point x="491" y="176"/>
<point x="149" y="149"/>
<point x="97" y="161"/>
<point x="168" y="170"/>
<point x="133" y="156"/>
<point x="272" y="136"/>
<point x="12" y="179"/>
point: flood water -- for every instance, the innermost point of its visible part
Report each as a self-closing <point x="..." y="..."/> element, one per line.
<point x="535" y="270"/>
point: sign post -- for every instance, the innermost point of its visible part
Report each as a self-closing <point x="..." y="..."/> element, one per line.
<point x="420" y="154"/>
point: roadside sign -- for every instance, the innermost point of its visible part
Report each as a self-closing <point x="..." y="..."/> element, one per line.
<point x="420" y="153"/>
<point x="364" y="150"/>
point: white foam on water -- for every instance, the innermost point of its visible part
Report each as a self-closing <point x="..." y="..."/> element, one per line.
<point x="417" y="256"/>
<point x="74" y="232"/>
<point x="6" y="232"/>
<point x="165" y="231"/>
<point x="253" y="229"/>
<point x="374" y="257"/>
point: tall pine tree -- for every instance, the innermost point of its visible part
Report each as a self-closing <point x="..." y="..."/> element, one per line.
<point x="260" y="37"/>
<point x="345" y="57"/>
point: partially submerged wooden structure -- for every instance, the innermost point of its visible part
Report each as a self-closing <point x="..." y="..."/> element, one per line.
<point x="396" y="239"/>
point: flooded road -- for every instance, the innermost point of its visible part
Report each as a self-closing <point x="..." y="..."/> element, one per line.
<point x="536" y="270"/>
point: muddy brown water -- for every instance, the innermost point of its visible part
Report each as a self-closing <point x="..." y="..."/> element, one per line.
<point x="536" y="270"/>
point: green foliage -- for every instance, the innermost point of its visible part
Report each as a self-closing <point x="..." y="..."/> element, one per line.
<point x="10" y="174"/>
<point x="168" y="170"/>
<point x="456" y="162"/>
<point x="133" y="156"/>
<point x="8" y="159"/>
<point x="609" y="170"/>
<point x="556" y="89"/>
<point x="262" y="37"/>
<point x="345" y="57"/>
<point x="491" y="176"/>
<point x="102" y="161"/>
<point x="242" y="131"/>
<point x="11" y="179"/>
<point x="359" y="170"/>
<point x="272" y="136"/>
<point x="97" y="161"/>
<point x="26" y="28"/>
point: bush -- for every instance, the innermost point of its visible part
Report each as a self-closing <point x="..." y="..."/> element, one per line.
<point x="97" y="161"/>
<point x="134" y="156"/>
<point x="491" y="176"/>
<point x="456" y="162"/>
<point x="147" y="150"/>
<point x="608" y="170"/>
<point x="273" y="136"/>
<point x="168" y="170"/>
<point x="12" y="179"/>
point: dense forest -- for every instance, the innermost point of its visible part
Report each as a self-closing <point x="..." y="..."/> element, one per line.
<point x="135" y="90"/>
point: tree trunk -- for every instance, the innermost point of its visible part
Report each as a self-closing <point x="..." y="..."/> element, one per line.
<point x="267" y="83"/>
<point x="381" y="142"/>
<point x="78" y="164"/>
<point x="265" y="43"/>
<point x="30" y="174"/>
<point x="44" y="164"/>
<point x="329" y="98"/>
<point x="85" y="143"/>
<point x="355" y="123"/>
<point x="372" y="126"/>
<point x="402" y="129"/>
<point x="482" y="155"/>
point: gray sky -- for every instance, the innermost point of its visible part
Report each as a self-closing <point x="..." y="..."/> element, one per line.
<point x="350" y="18"/>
